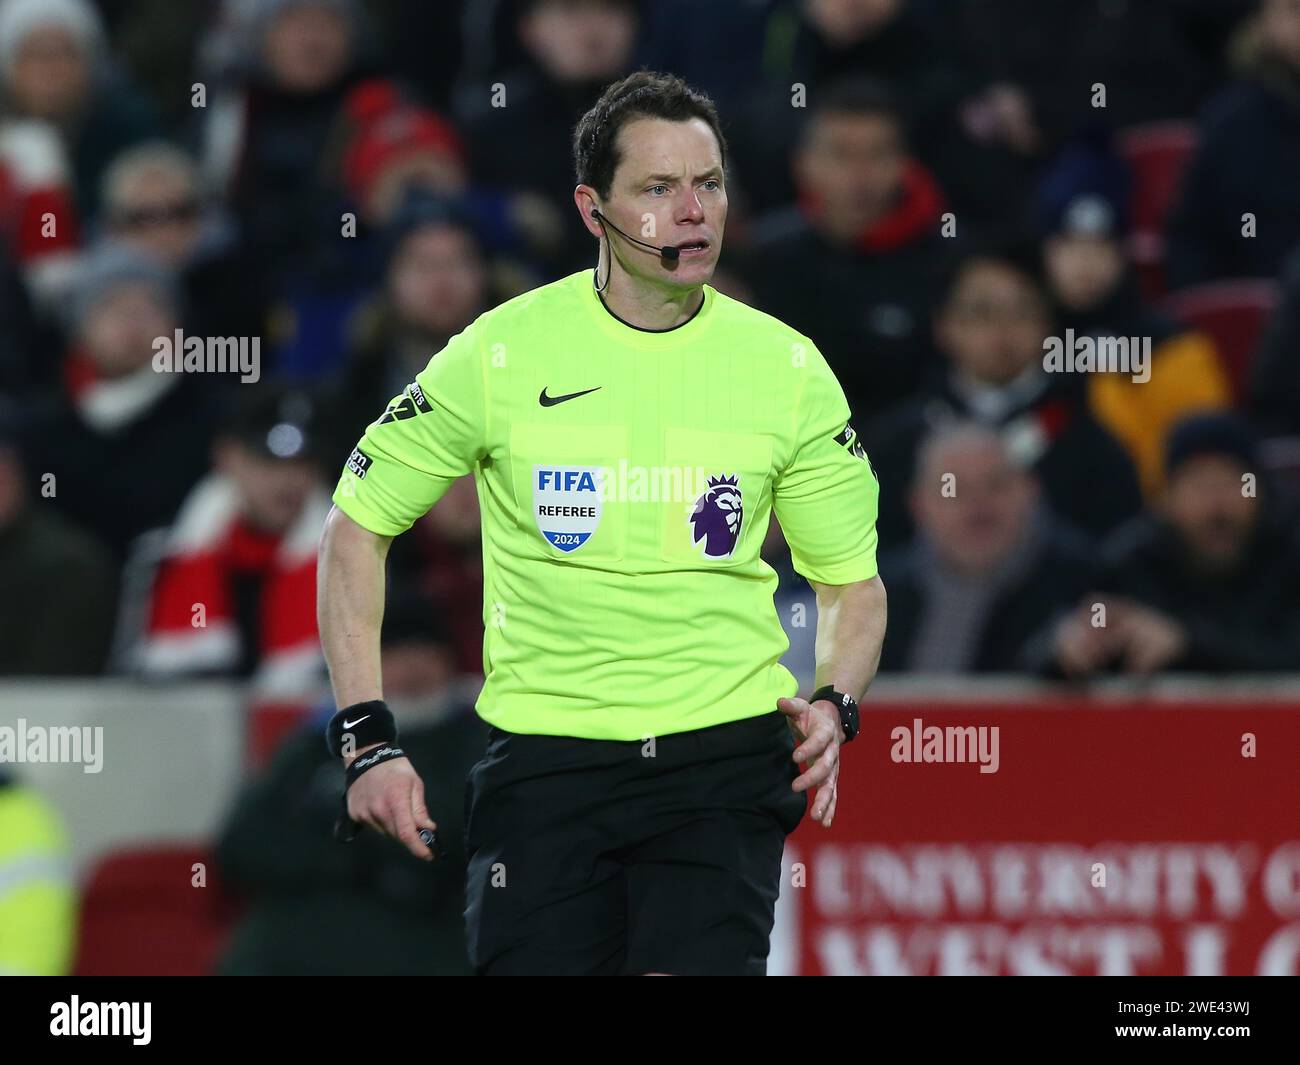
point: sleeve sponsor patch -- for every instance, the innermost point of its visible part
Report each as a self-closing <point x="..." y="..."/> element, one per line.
<point x="407" y="405"/>
<point x="358" y="463"/>
<point x="847" y="438"/>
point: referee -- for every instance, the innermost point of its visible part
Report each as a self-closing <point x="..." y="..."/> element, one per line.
<point x="631" y="431"/>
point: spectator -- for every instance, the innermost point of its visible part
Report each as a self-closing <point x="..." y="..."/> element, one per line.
<point x="396" y="149"/>
<point x="54" y="67"/>
<point x="402" y="916"/>
<point x="989" y="569"/>
<point x="62" y="577"/>
<point x="235" y="592"/>
<point x="812" y="45"/>
<point x="991" y="327"/>
<point x="38" y="906"/>
<point x="394" y="152"/>
<point x="1238" y="215"/>
<point x="852" y="264"/>
<point x="436" y="283"/>
<point x="123" y="443"/>
<point x="1274" y="391"/>
<point x="154" y="203"/>
<point x="266" y="138"/>
<point x="1206" y="581"/>
<point x="1097" y="296"/>
<point x="575" y="48"/>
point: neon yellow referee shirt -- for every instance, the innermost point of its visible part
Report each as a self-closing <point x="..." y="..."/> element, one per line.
<point x="626" y="478"/>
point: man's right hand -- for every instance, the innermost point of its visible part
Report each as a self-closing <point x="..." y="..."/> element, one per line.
<point x="390" y="799"/>
<point x="1082" y="648"/>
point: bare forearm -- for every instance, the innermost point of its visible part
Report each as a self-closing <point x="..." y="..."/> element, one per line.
<point x="350" y="607"/>
<point x="850" y="632"/>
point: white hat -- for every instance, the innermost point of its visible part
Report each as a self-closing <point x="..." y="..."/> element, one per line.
<point x="19" y="18"/>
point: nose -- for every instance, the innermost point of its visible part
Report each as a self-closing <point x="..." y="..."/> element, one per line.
<point x="690" y="209"/>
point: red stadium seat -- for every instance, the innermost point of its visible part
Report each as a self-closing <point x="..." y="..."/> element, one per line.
<point x="1233" y="313"/>
<point x="141" y="916"/>
<point x="1156" y="154"/>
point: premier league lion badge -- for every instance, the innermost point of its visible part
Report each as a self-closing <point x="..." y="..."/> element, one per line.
<point x="717" y="516"/>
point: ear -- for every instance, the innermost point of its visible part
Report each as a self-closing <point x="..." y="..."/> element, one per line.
<point x="584" y="197"/>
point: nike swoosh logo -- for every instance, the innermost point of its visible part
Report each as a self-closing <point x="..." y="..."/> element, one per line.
<point x="551" y="401"/>
<point x="350" y="724"/>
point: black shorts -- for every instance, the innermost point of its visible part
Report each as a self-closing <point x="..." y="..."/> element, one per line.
<point x="592" y="857"/>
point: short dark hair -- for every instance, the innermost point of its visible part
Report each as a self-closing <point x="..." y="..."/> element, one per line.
<point x="1014" y="252"/>
<point x="645" y="94"/>
<point x="860" y="98"/>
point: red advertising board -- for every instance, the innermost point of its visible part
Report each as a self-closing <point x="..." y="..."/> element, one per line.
<point x="1064" y="838"/>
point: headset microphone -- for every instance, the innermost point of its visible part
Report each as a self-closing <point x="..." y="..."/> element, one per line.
<point x="666" y="252"/>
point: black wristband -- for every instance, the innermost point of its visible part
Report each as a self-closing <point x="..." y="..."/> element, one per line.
<point x="364" y="763"/>
<point x="366" y="723"/>
<point x="845" y="704"/>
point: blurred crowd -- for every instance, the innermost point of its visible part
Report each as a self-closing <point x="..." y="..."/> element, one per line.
<point x="297" y="202"/>
<point x="230" y="232"/>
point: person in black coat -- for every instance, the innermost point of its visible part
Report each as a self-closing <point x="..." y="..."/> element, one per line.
<point x="520" y="137"/>
<point x="1206" y="581"/>
<point x="1238" y="215"/>
<point x="992" y="326"/>
<point x="119" y="445"/>
<point x="990" y="569"/>
<point x="853" y="264"/>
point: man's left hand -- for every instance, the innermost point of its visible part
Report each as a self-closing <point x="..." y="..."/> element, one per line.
<point x="817" y="726"/>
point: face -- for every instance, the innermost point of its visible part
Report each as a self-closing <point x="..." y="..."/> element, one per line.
<point x="1280" y="23"/>
<point x="993" y="324"/>
<point x="846" y="21"/>
<point x="668" y="189"/>
<point x="438" y="282"/>
<point x="442" y="175"/>
<point x="578" y="41"/>
<point x="1082" y="270"/>
<point x="272" y="491"/>
<point x="984" y="519"/>
<point x="1205" y="503"/>
<point x="118" y="332"/>
<point x="307" y="48"/>
<point x="50" y="75"/>
<point x="853" y="166"/>
<point x="159" y="212"/>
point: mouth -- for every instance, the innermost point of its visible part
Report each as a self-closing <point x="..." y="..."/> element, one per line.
<point x="692" y="249"/>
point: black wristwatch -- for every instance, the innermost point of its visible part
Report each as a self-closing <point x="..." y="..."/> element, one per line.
<point x="845" y="703"/>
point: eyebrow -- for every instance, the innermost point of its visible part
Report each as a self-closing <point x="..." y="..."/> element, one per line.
<point x="668" y="179"/>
